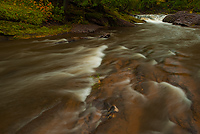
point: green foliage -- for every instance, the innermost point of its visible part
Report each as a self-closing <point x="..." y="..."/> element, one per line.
<point x="97" y="82"/>
<point x="58" y="14"/>
<point x="194" y="5"/>
<point x="148" y="4"/>
<point x="25" y="10"/>
<point x="26" y="18"/>
<point x="119" y="5"/>
<point x="176" y="4"/>
<point x="122" y="5"/>
<point x="81" y="20"/>
<point x="30" y="18"/>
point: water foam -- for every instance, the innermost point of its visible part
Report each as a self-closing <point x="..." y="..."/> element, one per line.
<point x="86" y="65"/>
<point x="152" y="18"/>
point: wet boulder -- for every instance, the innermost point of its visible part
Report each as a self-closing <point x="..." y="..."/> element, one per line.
<point x="183" y="18"/>
<point x="170" y="18"/>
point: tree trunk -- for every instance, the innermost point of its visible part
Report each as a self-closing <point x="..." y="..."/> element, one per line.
<point x="65" y="5"/>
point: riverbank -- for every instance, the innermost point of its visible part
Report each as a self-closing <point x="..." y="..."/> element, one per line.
<point x="13" y="32"/>
<point x="19" y="30"/>
<point x="35" y="20"/>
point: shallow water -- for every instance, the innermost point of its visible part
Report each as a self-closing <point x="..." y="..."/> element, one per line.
<point x="150" y="72"/>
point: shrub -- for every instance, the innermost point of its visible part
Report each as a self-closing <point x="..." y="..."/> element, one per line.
<point x="26" y="11"/>
<point x="58" y="13"/>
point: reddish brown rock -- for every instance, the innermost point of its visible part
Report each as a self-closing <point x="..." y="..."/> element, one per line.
<point x="183" y="18"/>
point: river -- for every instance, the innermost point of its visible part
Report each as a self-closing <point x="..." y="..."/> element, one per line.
<point x="149" y="73"/>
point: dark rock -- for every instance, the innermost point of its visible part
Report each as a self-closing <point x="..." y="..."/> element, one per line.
<point x="72" y="39"/>
<point x="111" y="112"/>
<point x="107" y="35"/>
<point x="107" y="20"/>
<point x="113" y="109"/>
<point x="183" y="18"/>
<point x="123" y="23"/>
<point x="170" y="18"/>
<point x="3" y="38"/>
<point x="6" y="37"/>
<point x="97" y="19"/>
<point x="89" y="28"/>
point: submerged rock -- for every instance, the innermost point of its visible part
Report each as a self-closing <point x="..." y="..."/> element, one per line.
<point x="72" y="39"/>
<point x="183" y="18"/>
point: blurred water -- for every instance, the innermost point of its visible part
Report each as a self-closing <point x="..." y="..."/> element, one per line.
<point x="150" y="72"/>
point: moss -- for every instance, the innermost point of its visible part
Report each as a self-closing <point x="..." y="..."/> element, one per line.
<point x="96" y="86"/>
<point x="21" y="30"/>
<point x="123" y="16"/>
<point x="131" y="19"/>
<point x="98" y="83"/>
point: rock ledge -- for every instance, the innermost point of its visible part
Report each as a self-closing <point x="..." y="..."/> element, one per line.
<point x="183" y="18"/>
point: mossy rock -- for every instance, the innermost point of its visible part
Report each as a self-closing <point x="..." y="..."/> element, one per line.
<point x="97" y="18"/>
<point x="170" y="18"/>
<point x="94" y="15"/>
<point x="129" y="18"/>
<point x="135" y="20"/>
<point x="124" y="16"/>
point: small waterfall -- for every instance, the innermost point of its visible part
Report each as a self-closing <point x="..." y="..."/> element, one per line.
<point x="154" y="18"/>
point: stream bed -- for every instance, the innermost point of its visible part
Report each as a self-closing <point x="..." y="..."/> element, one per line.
<point x="142" y="80"/>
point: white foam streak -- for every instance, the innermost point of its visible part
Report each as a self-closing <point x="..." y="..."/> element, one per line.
<point x="125" y="82"/>
<point x="87" y="65"/>
<point x="177" y="98"/>
<point x="89" y="61"/>
<point x="84" y="63"/>
<point x="80" y="94"/>
<point x="52" y="41"/>
<point x="152" y="18"/>
<point x="138" y="56"/>
<point x="153" y="62"/>
<point x="122" y="47"/>
<point x="174" y="97"/>
<point x="129" y="94"/>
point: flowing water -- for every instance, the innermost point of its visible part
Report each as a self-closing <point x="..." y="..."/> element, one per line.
<point x="150" y="72"/>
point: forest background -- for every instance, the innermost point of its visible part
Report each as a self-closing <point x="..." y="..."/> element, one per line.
<point x="39" y="18"/>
